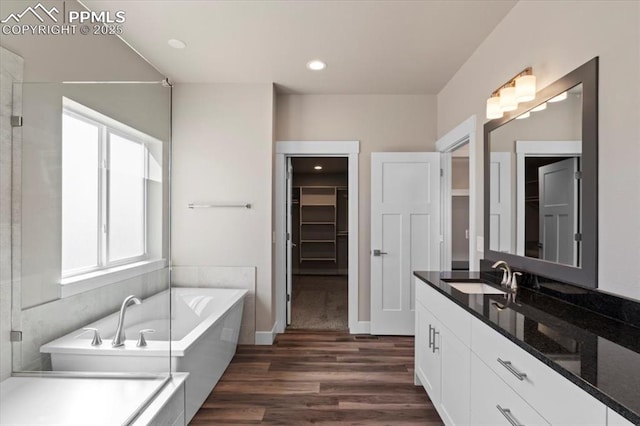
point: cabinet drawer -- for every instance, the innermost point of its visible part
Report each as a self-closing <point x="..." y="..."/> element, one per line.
<point x="554" y="397"/>
<point x="452" y="316"/>
<point x="488" y="392"/>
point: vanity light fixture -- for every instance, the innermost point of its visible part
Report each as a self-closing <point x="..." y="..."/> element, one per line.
<point x="317" y="167"/>
<point x="561" y="97"/>
<point x="521" y="88"/>
<point x="540" y="107"/>
<point x="523" y="116"/>
<point x="316" y="65"/>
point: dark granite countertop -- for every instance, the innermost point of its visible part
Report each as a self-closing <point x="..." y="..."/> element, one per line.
<point x="599" y="354"/>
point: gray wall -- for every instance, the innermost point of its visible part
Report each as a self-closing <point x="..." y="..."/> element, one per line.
<point x="574" y="33"/>
<point x="380" y="122"/>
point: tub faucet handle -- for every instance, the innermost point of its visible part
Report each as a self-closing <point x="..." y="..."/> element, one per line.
<point x="142" y="342"/>
<point x="97" y="340"/>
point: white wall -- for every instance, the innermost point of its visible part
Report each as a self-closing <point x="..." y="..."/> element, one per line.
<point x="223" y="152"/>
<point x="555" y="38"/>
<point x="380" y="123"/>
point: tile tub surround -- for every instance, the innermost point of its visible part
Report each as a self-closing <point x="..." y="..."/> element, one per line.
<point x="236" y="277"/>
<point x="44" y="323"/>
<point x="599" y="354"/>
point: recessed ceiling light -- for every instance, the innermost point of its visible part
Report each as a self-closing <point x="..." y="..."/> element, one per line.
<point x="318" y="167"/>
<point x="316" y="65"/>
<point x="177" y="44"/>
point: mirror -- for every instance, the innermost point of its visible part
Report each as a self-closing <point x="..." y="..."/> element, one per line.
<point x="541" y="181"/>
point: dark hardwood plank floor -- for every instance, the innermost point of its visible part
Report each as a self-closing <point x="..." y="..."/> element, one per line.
<point x="310" y="377"/>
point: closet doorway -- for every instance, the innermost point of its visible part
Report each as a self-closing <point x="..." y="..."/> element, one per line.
<point x="319" y="259"/>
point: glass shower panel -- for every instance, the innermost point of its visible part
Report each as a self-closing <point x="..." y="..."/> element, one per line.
<point x="90" y="196"/>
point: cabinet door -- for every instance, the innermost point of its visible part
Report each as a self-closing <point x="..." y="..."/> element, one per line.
<point x="427" y="362"/>
<point x="456" y="378"/>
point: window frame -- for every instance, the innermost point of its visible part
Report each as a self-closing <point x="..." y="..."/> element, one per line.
<point x="107" y="127"/>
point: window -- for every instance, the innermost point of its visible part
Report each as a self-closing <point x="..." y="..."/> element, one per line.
<point x="104" y="192"/>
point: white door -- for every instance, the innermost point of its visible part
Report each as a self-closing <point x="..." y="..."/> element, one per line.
<point x="289" y="238"/>
<point x="558" y="192"/>
<point x="500" y="233"/>
<point x="405" y="234"/>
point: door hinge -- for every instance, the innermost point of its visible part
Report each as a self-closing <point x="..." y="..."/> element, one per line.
<point x="441" y="172"/>
<point x="16" y="121"/>
<point x="578" y="175"/>
<point x="15" y="336"/>
<point x="577" y="236"/>
<point x="288" y="236"/>
<point x="288" y="297"/>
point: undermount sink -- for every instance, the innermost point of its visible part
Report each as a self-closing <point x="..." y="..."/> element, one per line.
<point x="475" y="288"/>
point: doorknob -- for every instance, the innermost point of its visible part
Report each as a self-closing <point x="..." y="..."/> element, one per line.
<point x="377" y="252"/>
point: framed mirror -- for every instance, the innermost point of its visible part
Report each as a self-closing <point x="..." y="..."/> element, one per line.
<point x="541" y="181"/>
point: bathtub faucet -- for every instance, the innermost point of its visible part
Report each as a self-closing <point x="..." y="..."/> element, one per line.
<point x="119" y="338"/>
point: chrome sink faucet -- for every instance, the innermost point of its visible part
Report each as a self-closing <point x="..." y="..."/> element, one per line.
<point x="119" y="338"/>
<point x="506" y="272"/>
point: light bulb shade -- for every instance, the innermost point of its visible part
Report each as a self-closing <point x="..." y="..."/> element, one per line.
<point x="523" y="116"/>
<point x="526" y="88"/>
<point x="561" y="97"/>
<point x="493" y="108"/>
<point x="508" y="100"/>
<point x="540" y="107"/>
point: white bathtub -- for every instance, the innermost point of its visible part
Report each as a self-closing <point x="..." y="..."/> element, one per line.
<point x="205" y="324"/>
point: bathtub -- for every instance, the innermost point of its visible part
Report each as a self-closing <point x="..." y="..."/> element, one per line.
<point x="205" y="325"/>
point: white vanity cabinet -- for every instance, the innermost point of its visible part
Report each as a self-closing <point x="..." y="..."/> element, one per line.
<point x="615" y="419"/>
<point x="443" y="354"/>
<point x="494" y="403"/>
<point x="558" y="400"/>
<point x="475" y="375"/>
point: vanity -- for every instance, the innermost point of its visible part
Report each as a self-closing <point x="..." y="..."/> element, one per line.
<point x="528" y="358"/>
<point x="554" y="350"/>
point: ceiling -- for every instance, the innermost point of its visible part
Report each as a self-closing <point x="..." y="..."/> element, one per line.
<point x="329" y="164"/>
<point x="370" y="47"/>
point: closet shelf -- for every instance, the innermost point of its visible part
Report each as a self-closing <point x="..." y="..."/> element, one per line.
<point x="318" y="241"/>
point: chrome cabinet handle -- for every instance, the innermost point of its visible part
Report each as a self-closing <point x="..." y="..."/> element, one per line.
<point x="431" y="329"/>
<point x="512" y="370"/>
<point x="510" y="417"/>
<point x="435" y="348"/>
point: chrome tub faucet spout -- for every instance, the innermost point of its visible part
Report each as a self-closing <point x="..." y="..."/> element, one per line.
<point x="119" y="338"/>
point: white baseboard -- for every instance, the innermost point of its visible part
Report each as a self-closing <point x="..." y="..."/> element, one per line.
<point x="360" y="327"/>
<point x="267" y="337"/>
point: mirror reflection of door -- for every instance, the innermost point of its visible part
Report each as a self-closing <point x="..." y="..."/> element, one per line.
<point x="558" y="233"/>
<point x="552" y="209"/>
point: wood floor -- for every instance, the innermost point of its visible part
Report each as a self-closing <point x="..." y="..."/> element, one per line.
<point x="311" y="377"/>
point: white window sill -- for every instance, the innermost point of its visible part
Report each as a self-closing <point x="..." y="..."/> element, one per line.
<point x="86" y="282"/>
